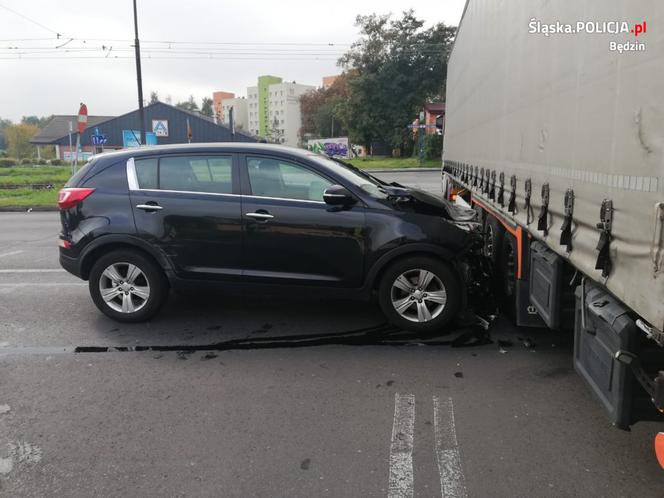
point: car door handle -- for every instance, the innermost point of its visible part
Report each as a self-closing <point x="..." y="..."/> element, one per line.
<point x="149" y="207"/>
<point x="260" y="216"/>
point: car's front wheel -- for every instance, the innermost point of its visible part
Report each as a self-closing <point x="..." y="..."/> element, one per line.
<point x="421" y="294"/>
<point x="127" y="286"/>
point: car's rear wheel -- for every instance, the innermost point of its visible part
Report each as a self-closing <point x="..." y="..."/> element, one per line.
<point x="421" y="294"/>
<point x="127" y="286"/>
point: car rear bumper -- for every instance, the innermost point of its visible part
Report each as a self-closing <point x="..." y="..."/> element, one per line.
<point x="70" y="264"/>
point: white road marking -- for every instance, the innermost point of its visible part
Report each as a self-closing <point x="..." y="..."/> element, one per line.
<point x="43" y="284"/>
<point x="401" y="448"/>
<point x="452" y="482"/>
<point x="11" y="253"/>
<point x="33" y="270"/>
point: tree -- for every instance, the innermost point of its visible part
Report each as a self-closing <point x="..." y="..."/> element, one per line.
<point x="154" y="97"/>
<point x="320" y="110"/>
<point x="4" y="124"/>
<point x="36" y="121"/>
<point x="274" y="133"/>
<point x="206" y="107"/>
<point x="18" y="140"/>
<point x="393" y="69"/>
<point x="188" y="105"/>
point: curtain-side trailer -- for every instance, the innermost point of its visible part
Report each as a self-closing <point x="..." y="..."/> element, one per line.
<point x="554" y="131"/>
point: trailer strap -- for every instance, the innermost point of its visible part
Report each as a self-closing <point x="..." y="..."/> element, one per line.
<point x="566" y="227"/>
<point x="543" y="219"/>
<point x="492" y="190"/>
<point x="603" y="245"/>
<point x="501" y="190"/>
<point x="527" y="207"/>
<point x="511" y="207"/>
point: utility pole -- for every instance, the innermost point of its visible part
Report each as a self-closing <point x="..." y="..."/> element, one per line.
<point x="139" y="77"/>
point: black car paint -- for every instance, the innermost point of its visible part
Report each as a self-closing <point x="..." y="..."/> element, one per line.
<point x="337" y="249"/>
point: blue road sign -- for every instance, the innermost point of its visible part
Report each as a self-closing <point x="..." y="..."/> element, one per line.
<point x="99" y="138"/>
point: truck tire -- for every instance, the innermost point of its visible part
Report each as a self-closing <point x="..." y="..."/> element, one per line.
<point x="508" y="262"/>
<point x="409" y="304"/>
<point x="494" y="234"/>
<point x="127" y="286"/>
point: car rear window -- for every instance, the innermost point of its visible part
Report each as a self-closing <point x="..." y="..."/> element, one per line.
<point x="80" y="174"/>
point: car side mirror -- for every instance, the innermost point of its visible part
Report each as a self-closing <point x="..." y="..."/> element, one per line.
<point x="336" y="195"/>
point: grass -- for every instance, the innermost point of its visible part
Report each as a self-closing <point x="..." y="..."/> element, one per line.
<point x="27" y="197"/>
<point x="22" y="175"/>
<point x="30" y="175"/>
<point x="394" y="162"/>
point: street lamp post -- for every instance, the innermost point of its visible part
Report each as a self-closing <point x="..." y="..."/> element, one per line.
<point x="139" y="78"/>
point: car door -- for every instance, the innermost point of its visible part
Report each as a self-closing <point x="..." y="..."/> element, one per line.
<point x="188" y="205"/>
<point x="290" y="234"/>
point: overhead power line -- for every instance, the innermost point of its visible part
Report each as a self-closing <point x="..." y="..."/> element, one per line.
<point x="31" y="20"/>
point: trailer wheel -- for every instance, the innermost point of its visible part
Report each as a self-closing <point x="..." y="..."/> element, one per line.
<point x="493" y="239"/>
<point x="508" y="271"/>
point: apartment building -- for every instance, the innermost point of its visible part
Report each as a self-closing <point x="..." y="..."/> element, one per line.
<point x="273" y="109"/>
<point x="217" y="98"/>
<point x="240" y="116"/>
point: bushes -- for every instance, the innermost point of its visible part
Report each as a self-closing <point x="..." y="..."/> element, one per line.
<point x="433" y="146"/>
<point x="27" y="161"/>
<point x="56" y="162"/>
<point x="42" y="161"/>
<point x="7" y="162"/>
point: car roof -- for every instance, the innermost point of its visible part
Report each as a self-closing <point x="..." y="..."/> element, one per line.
<point x="207" y="147"/>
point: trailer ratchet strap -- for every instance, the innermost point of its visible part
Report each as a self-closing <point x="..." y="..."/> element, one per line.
<point x="511" y="207"/>
<point x="566" y="228"/>
<point x="527" y="207"/>
<point x="603" y="245"/>
<point x="543" y="219"/>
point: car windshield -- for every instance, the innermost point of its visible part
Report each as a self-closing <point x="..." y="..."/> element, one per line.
<point x="369" y="183"/>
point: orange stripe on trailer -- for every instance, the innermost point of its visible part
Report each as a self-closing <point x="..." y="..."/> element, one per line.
<point x="659" y="448"/>
<point x="516" y="232"/>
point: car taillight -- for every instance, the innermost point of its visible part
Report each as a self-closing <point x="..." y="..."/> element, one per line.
<point x="69" y="197"/>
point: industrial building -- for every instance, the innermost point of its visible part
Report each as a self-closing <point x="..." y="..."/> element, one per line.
<point x="164" y="123"/>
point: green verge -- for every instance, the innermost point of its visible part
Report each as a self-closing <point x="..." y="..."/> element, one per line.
<point x="394" y="163"/>
<point x="21" y="175"/>
<point x="27" y="197"/>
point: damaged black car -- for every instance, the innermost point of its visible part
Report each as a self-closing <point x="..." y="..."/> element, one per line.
<point x="268" y="219"/>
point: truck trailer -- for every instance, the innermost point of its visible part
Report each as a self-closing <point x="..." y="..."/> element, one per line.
<point x="554" y="133"/>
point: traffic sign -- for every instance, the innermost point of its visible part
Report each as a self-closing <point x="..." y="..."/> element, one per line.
<point x="82" y="117"/>
<point x="99" y="138"/>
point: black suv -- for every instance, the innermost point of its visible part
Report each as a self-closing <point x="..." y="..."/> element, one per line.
<point x="261" y="217"/>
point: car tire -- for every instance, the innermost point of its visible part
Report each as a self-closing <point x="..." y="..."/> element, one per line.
<point x="392" y="294"/>
<point x="127" y="286"/>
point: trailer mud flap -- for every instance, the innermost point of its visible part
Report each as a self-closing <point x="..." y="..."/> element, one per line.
<point x="602" y="328"/>
<point x="611" y="356"/>
<point x="546" y="275"/>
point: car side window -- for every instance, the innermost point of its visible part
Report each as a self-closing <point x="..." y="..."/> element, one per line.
<point x="272" y="177"/>
<point x="209" y="174"/>
<point x="146" y="173"/>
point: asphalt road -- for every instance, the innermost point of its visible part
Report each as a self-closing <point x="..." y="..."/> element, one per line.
<point x="279" y="412"/>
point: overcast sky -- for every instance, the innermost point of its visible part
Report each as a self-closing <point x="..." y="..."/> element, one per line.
<point x="291" y="37"/>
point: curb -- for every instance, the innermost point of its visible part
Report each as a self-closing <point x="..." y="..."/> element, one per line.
<point x="399" y="170"/>
<point x="23" y="209"/>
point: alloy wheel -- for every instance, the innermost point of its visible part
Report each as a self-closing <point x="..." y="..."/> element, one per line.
<point x="418" y="295"/>
<point x="124" y="287"/>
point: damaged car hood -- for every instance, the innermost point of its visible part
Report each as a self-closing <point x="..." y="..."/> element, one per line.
<point x="423" y="202"/>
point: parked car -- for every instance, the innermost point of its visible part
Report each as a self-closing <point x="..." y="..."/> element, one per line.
<point x="260" y="218"/>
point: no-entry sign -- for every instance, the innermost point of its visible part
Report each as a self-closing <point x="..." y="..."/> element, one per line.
<point x="82" y="118"/>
